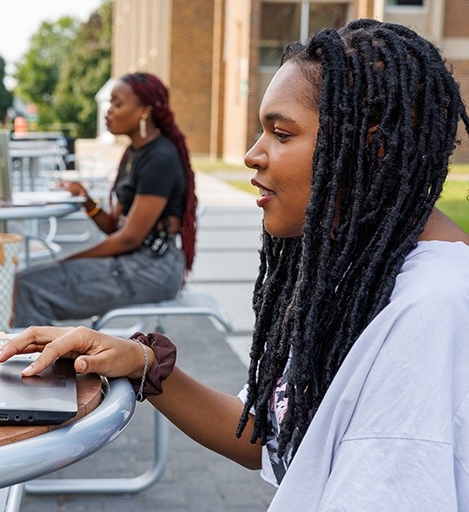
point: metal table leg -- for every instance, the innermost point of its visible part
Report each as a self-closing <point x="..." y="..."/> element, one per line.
<point x="10" y="498"/>
<point x="112" y="485"/>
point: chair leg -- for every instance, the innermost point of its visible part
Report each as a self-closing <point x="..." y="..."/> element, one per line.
<point x="160" y="324"/>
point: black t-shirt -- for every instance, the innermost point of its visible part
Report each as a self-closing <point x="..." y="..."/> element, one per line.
<point x="154" y="169"/>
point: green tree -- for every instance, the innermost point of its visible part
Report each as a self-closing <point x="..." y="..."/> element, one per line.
<point x="38" y="71"/>
<point x="6" y="97"/>
<point x="82" y="76"/>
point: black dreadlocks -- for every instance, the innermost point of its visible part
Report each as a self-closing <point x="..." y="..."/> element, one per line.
<point x="388" y="115"/>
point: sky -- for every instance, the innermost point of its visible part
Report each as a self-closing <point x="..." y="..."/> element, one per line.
<point x="20" y="19"/>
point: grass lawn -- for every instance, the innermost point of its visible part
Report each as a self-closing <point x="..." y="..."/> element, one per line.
<point x="454" y="201"/>
<point x="244" y="185"/>
<point x="210" y="165"/>
<point x="459" y="169"/>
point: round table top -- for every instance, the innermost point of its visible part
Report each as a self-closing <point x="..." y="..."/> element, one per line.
<point x="62" y="445"/>
<point x="89" y="389"/>
<point x="38" y="205"/>
<point x="52" y="150"/>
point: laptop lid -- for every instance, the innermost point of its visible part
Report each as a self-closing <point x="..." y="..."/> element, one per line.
<point x="47" y="398"/>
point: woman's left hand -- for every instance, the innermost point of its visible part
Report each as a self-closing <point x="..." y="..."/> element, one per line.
<point x="94" y="352"/>
<point x="75" y="188"/>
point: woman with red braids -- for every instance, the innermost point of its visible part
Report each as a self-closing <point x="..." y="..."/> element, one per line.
<point x="150" y="242"/>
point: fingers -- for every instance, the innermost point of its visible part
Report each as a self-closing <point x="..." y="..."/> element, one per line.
<point x="74" y="187"/>
<point x="32" y="339"/>
<point x="93" y="351"/>
<point x="99" y="363"/>
<point x="54" y="343"/>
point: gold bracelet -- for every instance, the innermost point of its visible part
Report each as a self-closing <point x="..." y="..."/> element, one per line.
<point x="92" y="213"/>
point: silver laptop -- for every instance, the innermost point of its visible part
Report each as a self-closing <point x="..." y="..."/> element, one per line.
<point x="47" y="398"/>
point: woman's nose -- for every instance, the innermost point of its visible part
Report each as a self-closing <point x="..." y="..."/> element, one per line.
<point x="255" y="158"/>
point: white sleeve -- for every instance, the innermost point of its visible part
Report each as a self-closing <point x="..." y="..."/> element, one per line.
<point x="391" y="475"/>
<point x="392" y="431"/>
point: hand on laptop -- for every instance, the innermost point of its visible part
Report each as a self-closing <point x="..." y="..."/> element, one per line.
<point x="94" y="352"/>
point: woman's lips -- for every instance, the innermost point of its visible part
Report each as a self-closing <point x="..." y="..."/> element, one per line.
<point x="265" y="194"/>
<point x="264" y="197"/>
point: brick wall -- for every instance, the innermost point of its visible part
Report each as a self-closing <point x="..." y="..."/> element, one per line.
<point x="456" y="25"/>
<point x="456" y="22"/>
<point x="191" y="70"/>
<point x="253" y="102"/>
<point x="362" y="8"/>
<point x="461" y="73"/>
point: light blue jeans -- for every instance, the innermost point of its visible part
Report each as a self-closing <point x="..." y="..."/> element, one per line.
<point x="79" y="289"/>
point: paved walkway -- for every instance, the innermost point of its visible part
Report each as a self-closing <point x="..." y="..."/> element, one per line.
<point x="195" y="480"/>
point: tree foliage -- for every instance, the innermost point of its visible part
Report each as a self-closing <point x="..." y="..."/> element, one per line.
<point x="6" y="97"/>
<point x="38" y="72"/>
<point x="83" y="75"/>
<point x="67" y="63"/>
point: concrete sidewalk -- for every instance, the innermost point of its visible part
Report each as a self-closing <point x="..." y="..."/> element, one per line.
<point x="195" y="479"/>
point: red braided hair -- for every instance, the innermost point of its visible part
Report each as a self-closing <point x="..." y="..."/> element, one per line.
<point x="151" y="91"/>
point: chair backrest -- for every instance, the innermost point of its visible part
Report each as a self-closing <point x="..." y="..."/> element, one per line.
<point x="5" y="166"/>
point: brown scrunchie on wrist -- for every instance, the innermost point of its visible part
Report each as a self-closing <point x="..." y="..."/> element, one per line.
<point x="165" y="359"/>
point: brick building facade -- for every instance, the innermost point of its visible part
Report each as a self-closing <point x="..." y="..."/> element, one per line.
<point x="217" y="56"/>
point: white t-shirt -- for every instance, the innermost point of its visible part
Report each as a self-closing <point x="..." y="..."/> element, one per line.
<point x="392" y="432"/>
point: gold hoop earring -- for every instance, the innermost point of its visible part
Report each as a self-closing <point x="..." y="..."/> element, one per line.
<point x="143" y="127"/>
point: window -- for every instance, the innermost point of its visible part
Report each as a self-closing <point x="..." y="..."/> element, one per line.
<point x="282" y="23"/>
<point x="292" y="20"/>
<point x="399" y="3"/>
<point x="327" y="15"/>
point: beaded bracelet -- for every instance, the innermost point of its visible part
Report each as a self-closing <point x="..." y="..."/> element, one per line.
<point x="151" y="381"/>
<point x="92" y="213"/>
